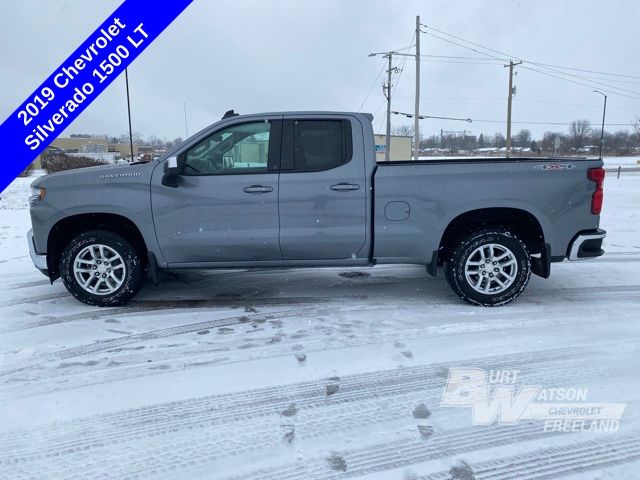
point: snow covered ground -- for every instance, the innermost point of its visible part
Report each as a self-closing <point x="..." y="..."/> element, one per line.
<point x="622" y="161"/>
<point x="276" y="374"/>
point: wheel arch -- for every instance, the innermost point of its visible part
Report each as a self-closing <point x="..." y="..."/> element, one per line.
<point x="522" y="223"/>
<point x="68" y="227"/>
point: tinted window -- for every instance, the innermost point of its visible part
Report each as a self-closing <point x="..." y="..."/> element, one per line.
<point x="237" y="149"/>
<point x="321" y="144"/>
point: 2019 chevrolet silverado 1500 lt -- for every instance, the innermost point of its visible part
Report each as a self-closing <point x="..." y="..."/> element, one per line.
<point x="301" y="189"/>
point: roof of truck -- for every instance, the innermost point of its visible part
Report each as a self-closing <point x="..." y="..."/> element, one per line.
<point x="299" y="112"/>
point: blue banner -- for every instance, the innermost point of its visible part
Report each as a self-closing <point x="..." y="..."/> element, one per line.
<point x="80" y="79"/>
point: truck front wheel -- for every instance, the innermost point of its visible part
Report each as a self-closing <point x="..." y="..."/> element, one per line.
<point x="490" y="267"/>
<point x="101" y="268"/>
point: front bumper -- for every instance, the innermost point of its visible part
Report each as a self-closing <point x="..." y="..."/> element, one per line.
<point x="587" y="244"/>
<point x="40" y="261"/>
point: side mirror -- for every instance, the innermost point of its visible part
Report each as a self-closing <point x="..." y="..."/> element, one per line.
<point x="172" y="171"/>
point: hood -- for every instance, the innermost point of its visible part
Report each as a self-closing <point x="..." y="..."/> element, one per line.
<point x="91" y="174"/>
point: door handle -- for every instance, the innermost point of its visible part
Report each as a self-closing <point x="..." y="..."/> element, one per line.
<point x="344" y="187"/>
<point x="258" y="189"/>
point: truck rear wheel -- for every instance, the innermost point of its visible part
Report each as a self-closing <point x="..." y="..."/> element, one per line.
<point x="490" y="267"/>
<point x="101" y="268"/>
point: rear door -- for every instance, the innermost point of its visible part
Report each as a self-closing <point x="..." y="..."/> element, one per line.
<point x="322" y="190"/>
<point x="225" y="207"/>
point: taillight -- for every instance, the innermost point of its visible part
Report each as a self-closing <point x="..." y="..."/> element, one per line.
<point x="596" y="175"/>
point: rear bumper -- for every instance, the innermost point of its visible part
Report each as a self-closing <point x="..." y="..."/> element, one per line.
<point x="587" y="244"/>
<point x="40" y="261"/>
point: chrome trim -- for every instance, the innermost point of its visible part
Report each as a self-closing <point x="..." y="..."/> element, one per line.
<point x="40" y="261"/>
<point x="580" y="239"/>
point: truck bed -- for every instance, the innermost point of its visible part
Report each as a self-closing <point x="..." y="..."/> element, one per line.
<point x="555" y="191"/>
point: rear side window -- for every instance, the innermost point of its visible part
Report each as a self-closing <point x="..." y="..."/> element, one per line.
<point x="321" y="144"/>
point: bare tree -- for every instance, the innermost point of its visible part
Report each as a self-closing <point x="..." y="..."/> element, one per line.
<point x="404" y="130"/>
<point x="136" y="136"/>
<point x="578" y="131"/>
<point x="636" y="124"/>
<point x="523" y="138"/>
<point x="173" y="143"/>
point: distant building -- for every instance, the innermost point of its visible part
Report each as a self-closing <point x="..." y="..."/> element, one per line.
<point x="81" y="144"/>
<point x="400" y="147"/>
<point x="124" y="150"/>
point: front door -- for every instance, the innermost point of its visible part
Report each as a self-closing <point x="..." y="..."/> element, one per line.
<point x="322" y="191"/>
<point x="225" y="207"/>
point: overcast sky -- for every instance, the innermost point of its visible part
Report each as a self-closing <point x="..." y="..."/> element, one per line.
<point x="266" y="55"/>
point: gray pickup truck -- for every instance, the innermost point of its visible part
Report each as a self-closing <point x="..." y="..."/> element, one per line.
<point x="303" y="189"/>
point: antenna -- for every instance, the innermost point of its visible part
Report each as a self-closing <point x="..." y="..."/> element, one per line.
<point x="230" y="113"/>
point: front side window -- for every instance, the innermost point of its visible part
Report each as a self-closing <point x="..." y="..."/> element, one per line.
<point x="321" y="144"/>
<point x="237" y="149"/>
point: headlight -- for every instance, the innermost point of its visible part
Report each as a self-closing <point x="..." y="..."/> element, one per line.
<point x="37" y="194"/>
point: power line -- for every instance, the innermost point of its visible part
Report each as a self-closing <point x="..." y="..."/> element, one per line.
<point x="492" y="64"/>
<point x="586" y="71"/>
<point x="544" y="123"/>
<point x="371" y="88"/>
<point x="467" y="47"/>
<point x="409" y="47"/>
<point x="631" y="82"/>
<point x="424" y="117"/>
<point x="578" y="83"/>
<point x="404" y="61"/>
<point x="472" y="43"/>
<point x="456" y="57"/>
<point x="528" y="100"/>
<point x="587" y="79"/>
<point x="541" y="65"/>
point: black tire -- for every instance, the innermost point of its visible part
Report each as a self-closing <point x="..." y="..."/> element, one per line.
<point x="132" y="278"/>
<point x="461" y="285"/>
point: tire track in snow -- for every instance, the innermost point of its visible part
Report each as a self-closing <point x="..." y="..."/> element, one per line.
<point x="555" y="462"/>
<point x="358" y="394"/>
<point x="150" y="335"/>
<point x="181" y="360"/>
<point x="35" y="283"/>
<point x="555" y="295"/>
<point x="548" y="463"/>
<point x="167" y="457"/>
<point x="34" y="299"/>
<point x="143" y="306"/>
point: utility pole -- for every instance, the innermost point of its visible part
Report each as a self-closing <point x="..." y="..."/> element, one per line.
<point x="416" y="125"/>
<point x="387" y="147"/>
<point x="386" y="89"/>
<point x="511" y="65"/>
<point x="126" y="78"/>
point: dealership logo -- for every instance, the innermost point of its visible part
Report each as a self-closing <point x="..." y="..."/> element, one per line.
<point x="496" y="397"/>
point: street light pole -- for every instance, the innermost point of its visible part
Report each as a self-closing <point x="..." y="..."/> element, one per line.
<point x="186" y="129"/>
<point x="604" y="113"/>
